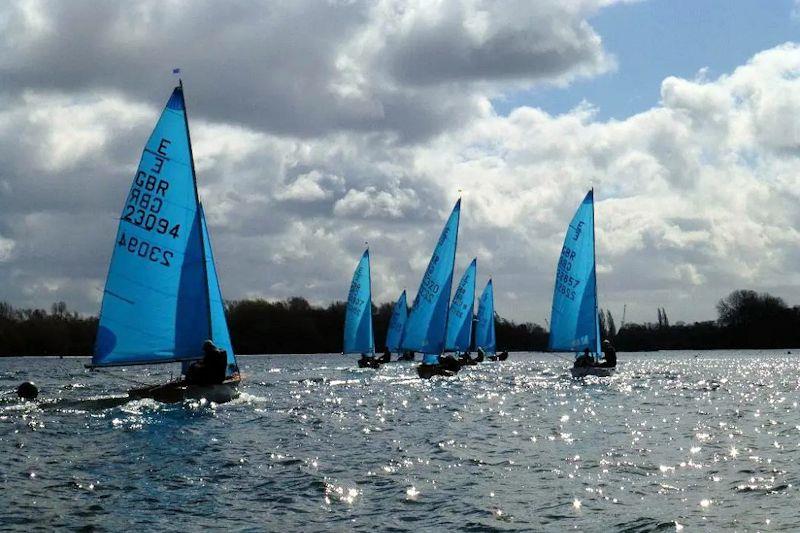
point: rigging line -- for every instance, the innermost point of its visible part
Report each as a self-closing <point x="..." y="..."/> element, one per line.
<point x="129" y="380"/>
<point x="570" y="360"/>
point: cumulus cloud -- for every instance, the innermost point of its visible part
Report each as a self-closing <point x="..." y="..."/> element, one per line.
<point x="319" y="126"/>
<point x="374" y="203"/>
<point x="303" y="67"/>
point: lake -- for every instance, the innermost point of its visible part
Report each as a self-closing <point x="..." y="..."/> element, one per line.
<point x="675" y="440"/>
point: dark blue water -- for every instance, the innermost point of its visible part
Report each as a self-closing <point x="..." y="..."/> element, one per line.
<point x="671" y="442"/>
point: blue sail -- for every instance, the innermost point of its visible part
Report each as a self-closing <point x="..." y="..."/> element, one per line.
<point x="573" y="321"/>
<point x="484" y="330"/>
<point x="219" y="324"/>
<point x="459" y="319"/>
<point x="358" y="318"/>
<point x="397" y="324"/>
<point x="155" y="304"/>
<point x="427" y="322"/>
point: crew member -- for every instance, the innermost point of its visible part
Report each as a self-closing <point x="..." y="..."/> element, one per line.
<point x="210" y="370"/>
<point x="584" y="360"/>
<point x="610" y="355"/>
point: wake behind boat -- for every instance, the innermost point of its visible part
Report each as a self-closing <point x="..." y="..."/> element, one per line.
<point x="162" y="301"/>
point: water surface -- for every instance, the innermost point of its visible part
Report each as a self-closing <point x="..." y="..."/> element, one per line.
<point x="676" y="440"/>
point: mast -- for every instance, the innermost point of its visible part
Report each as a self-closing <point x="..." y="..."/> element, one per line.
<point x="594" y="267"/>
<point x="199" y="208"/>
<point x="369" y="308"/>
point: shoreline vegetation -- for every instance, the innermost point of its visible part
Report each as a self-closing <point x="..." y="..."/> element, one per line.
<point x="746" y="320"/>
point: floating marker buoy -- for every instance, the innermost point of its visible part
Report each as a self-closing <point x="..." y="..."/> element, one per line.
<point x="27" y="391"/>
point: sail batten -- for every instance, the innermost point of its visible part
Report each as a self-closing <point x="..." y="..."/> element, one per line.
<point x="426" y="326"/>
<point x="485" y="329"/>
<point x="397" y="324"/>
<point x="358" y="335"/>
<point x="459" y="318"/>
<point x="574" y="323"/>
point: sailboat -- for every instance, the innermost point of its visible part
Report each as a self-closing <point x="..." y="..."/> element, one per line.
<point x="397" y="324"/>
<point x="484" y="329"/>
<point x="426" y="326"/>
<point x="574" y="322"/>
<point x="162" y="299"/>
<point x="358" y="337"/>
<point x="459" y="318"/>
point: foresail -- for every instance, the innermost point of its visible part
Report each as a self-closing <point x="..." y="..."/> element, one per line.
<point x="397" y="324"/>
<point x="484" y="330"/>
<point x="573" y="319"/>
<point x="220" y="334"/>
<point x="427" y="321"/>
<point x="358" y="336"/>
<point x="459" y="319"/>
<point x="155" y="303"/>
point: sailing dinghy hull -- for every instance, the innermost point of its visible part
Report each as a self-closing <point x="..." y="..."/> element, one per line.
<point x="372" y="362"/>
<point x="599" y="371"/>
<point x="428" y="371"/>
<point x="179" y="391"/>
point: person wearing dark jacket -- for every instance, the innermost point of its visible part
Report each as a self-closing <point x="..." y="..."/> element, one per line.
<point x="210" y="370"/>
<point x="584" y="360"/>
<point x="610" y="355"/>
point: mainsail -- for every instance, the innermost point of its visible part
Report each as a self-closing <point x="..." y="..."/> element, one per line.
<point x="358" y="336"/>
<point x="459" y="319"/>
<point x="397" y="324"/>
<point x="156" y="306"/>
<point x="484" y="330"/>
<point x="574" y="324"/>
<point x="427" y="322"/>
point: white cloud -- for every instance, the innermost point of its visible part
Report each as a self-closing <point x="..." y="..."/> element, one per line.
<point x="305" y="152"/>
<point x="308" y="187"/>
<point x="372" y="202"/>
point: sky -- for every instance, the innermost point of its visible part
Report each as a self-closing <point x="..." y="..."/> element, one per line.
<point x="321" y="125"/>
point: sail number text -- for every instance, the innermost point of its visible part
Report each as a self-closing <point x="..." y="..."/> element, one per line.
<point x="566" y="283"/>
<point x="145" y="250"/>
<point x="429" y="288"/>
<point x="147" y="197"/>
<point x="353" y="301"/>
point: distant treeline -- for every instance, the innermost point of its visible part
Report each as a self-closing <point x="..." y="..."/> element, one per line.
<point x="295" y="326"/>
<point x="746" y="320"/>
<point x="256" y="326"/>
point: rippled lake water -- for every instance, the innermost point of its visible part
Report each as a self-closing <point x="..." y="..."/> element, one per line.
<point x="676" y="440"/>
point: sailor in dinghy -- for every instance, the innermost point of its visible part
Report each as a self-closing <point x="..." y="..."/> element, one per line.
<point x="358" y="336"/>
<point x="162" y="301"/>
<point x="397" y="325"/>
<point x="426" y="326"/>
<point x="574" y="322"/>
<point x="459" y="319"/>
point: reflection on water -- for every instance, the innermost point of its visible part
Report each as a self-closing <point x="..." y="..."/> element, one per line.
<point x="672" y="441"/>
